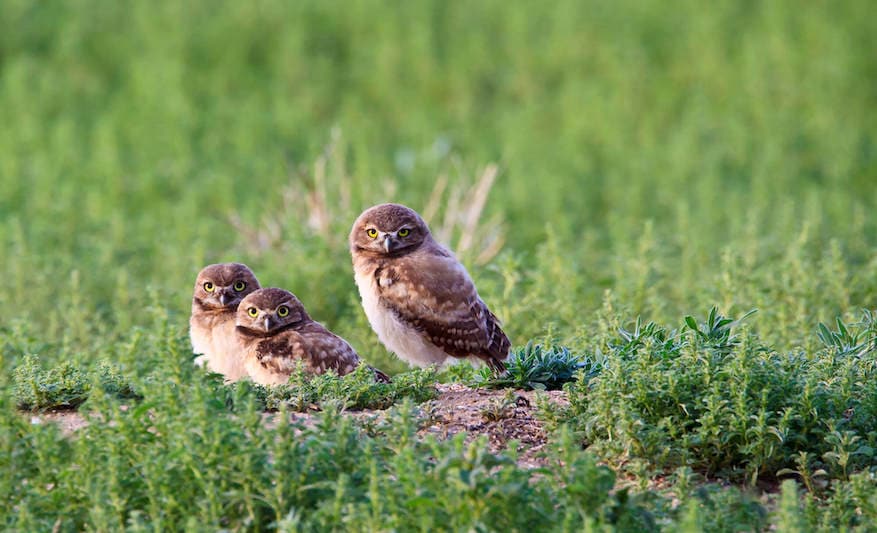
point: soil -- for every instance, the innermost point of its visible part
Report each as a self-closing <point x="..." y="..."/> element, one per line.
<point x="69" y="421"/>
<point x="502" y="415"/>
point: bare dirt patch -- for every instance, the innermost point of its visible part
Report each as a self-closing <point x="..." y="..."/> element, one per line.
<point x="502" y="415"/>
<point x="68" y="421"/>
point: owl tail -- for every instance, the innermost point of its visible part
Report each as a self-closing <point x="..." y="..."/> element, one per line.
<point x="498" y="344"/>
<point x="495" y="364"/>
<point x="380" y="377"/>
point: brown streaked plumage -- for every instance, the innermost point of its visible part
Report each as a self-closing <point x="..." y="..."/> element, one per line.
<point x="275" y="334"/>
<point x="218" y="291"/>
<point x="417" y="296"/>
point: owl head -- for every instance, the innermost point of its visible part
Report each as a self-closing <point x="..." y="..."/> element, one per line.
<point x="223" y="286"/>
<point x="388" y="229"/>
<point x="268" y="311"/>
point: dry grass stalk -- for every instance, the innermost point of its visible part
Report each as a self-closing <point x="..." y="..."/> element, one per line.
<point x="478" y="239"/>
<point x="319" y="199"/>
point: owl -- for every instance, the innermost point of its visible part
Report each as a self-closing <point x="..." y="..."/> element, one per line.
<point x="218" y="291"/>
<point x="275" y="333"/>
<point x="417" y="296"/>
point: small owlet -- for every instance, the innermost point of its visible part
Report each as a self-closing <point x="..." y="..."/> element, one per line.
<point x="218" y="291"/>
<point x="275" y="332"/>
<point x="418" y="298"/>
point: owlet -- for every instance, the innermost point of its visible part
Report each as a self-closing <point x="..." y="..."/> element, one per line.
<point x="218" y="291"/>
<point x="417" y="296"/>
<point x="276" y="334"/>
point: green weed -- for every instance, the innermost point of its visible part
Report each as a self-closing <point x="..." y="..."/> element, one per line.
<point x="129" y="468"/>
<point x="724" y="403"/>
<point x="357" y="390"/>
<point x="64" y="386"/>
<point x="540" y="368"/>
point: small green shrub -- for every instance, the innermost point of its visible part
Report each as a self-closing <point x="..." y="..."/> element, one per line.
<point x="850" y="505"/>
<point x="724" y="403"/>
<point x="357" y="390"/>
<point x="114" y="383"/>
<point x="847" y="341"/>
<point x="723" y="508"/>
<point x="194" y="465"/>
<point x="63" y="386"/>
<point x="540" y="368"/>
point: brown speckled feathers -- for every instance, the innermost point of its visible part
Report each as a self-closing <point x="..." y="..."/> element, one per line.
<point x="276" y="334"/>
<point x="418" y="298"/>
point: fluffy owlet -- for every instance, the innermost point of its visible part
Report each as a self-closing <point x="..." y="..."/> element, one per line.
<point x="218" y="291"/>
<point x="275" y="333"/>
<point x="418" y="298"/>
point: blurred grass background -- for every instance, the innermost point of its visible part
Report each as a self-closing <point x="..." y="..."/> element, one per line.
<point x="655" y="158"/>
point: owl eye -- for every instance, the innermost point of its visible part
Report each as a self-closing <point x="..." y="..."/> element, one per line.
<point x="240" y="285"/>
<point x="209" y="287"/>
<point x="372" y="232"/>
<point x="282" y="311"/>
<point x="404" y="232"/>
<point x="253" y="312"/>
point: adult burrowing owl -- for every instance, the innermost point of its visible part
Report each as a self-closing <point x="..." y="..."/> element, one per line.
<point x="218" y="291"/>
<point x="418" y="298"/>
<point x="275" y="332"/>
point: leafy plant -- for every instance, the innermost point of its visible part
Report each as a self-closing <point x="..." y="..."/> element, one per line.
<point x="845" y="447"/>
<point x="500" y="408"/>
<point x="847" y="341"/>
<point x="814" y="480"/>
<point x="717" y="330"/>
<point x="629" y="341"/>
<point x="725" y="404"/>
<point x="112" y="382"/>
<point x="540" y="368"/>
<point x="63" y="386"/>
<point x="357" y="390"/>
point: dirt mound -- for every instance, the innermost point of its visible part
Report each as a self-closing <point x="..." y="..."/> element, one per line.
<point x="502" y="415"/>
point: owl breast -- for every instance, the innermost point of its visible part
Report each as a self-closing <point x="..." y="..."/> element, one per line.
<point x="200" y="340"/>
<point x="228" y="359"/>
<point x="214" y="337"/>
<point x="402" y="339"/>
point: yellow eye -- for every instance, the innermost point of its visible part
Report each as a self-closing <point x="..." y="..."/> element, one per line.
<point x="253" y="312"/>
<point x="282" y="311"/>
<point x="404" y="232"/>
<point x="209" y="287"/>
<point x="240" y="285"/>
<point x="372" y="232"/>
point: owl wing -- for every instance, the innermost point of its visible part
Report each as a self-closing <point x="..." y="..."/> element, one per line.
<point x="435" y="295"/>
<point x="327" y="350"/>
<point x="311" y="344"/>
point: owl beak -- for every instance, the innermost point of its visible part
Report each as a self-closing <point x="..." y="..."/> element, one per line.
<point x="268" y="323"/>
<point x="223" y="299"/>
<point x="388" y="244"/>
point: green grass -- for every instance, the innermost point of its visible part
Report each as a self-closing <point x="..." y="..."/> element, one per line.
<point x="654" y="161"/>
